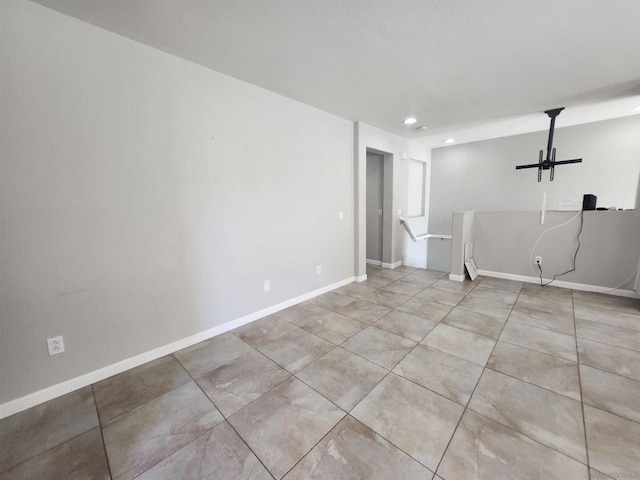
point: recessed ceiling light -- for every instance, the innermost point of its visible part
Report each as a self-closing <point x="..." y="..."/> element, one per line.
<point x="450" y="140"/>
<point x="410" y="121"/>
<point x="423" y="127"/>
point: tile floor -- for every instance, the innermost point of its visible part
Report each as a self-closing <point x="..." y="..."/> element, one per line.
<point x="405" y="376"/>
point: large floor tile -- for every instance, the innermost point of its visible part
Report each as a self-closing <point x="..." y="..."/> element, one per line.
<point x="264" y="330"/>
<point x="335" y="327"/>
<point x="601" y="300"/>
<point x="216" y="454"/>
<point x="411" y="417"/>
<point x="607" y="316"/>
<point x="366" y="312"/>
<point x="331" y="301"/>
<point x="561" y="306"/>
<point x="488" y="307"/>
<point x="450" y="376"/>
<point x="501" y="284"/>
<point x="210" y="354"/>
<point x="555" y="321"/>
<point x="614" y="443"/>
<point x="600" y="332"/>
<point x="541" y="340"/>
<point x="31" y="432"/>
<point x="387" y="299"/>
<point x="342" y="377"/>
<point x="613" y="393"/>
<point x="302" y="314"/>
<point x="375" y="282"/>
<point x="406" y="325"/>
<point x="356" y="290"/>
<point x="621" y="361"/>
<point x="296" y="349"/>
<point x="379" y="346"/>
<point x="546" y="371"/>
<point x="548" y="291"/>
<point x="80" y="458"/>
<point x="482" y="449"/>
<point x="405" y="288"/>
<point x="139" y="439"/>
<point x="456" y="287"/>
<point x="493" y="294"/>
<point x="461" y="343"/>
<point x="391" y="274"/>
<point x="353" y="451"/>
<point x="475" y="322"/>
<point x="445" y="297"/>
<point x="426" y="309"/>
<point x="551" y="419"/>
<point x="119" y="394"/>
<point x="239" y="382"/>
<point x="284" y="424"/>
<point x="420" y="278"/>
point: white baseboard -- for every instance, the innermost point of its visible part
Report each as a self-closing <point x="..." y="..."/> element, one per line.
<point x="457" y="278"/>
<point x="376" y="263"/>
<point x="559" y="283"/>
<point x="361" y="278"/>
<point x="392" y="265"/>
<point x="31" y="400"/>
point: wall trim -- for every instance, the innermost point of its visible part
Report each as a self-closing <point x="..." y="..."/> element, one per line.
<point x="559" y="283"/>
<point x="392" y="265"/>
<point x="361" y="278"/>
<point x="377" y="263"/>
<point x="458" y="278"/>
<point x="49" y="393"/>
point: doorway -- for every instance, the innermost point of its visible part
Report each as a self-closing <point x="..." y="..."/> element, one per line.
<point x="375" y="207"/>
<point x="379" y="205"/>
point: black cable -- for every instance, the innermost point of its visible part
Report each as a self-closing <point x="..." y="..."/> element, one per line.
<point x="575" y="255"/>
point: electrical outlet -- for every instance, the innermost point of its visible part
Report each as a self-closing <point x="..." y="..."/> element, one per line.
<point x="319" y="270"/>
<point x="267" y="285"/>
<point x="539" y="261"/>
<point x="340" y="216"/>
<point x="55" y="345"/>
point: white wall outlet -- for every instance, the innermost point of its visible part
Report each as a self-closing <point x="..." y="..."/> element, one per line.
<point x="267" y="285"/>
<point x="539" y="261"/>
<point x="319" y="270"/>
<point x="340" y="216"/>
<point x="379" y="212"/>
<point x="55" y="345"/>
<point x="399" y="212"/>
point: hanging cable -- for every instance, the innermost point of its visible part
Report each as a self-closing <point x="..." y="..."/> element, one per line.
<point x="543" y="234"/>
<point x="575" y="255"/>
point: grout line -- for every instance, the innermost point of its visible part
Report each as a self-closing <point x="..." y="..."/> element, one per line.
<point x="104" y="445"/>
<point x="584" y="420"/>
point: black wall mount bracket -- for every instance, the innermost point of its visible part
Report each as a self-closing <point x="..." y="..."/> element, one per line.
<point x="550" y="162"/>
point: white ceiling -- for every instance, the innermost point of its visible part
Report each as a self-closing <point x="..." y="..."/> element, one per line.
<point x="453" y="65"/>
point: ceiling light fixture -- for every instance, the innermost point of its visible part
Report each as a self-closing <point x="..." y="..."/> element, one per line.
<point x="410" y="121"/>
<point x="423" y="127"/>
<point x="450" y="140"/>
<point x="637" y="109"/>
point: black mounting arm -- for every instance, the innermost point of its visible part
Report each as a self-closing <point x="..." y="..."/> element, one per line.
<point x="550" y="162"/>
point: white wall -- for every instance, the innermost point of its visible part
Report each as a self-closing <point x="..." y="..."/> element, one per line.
<point x="402" y="248"/>
<point x="144" y="198"/>
<point x="481" y="176"/>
